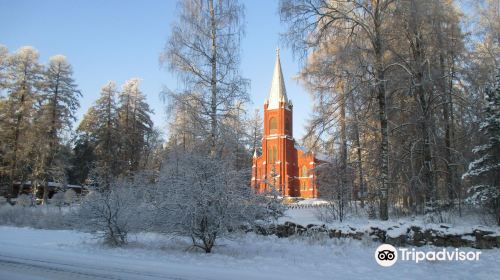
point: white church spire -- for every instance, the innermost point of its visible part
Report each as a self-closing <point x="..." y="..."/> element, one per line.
<point x="277" y="93"/>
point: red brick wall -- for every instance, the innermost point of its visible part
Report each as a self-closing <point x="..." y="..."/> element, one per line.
<point x="289" y="160"/>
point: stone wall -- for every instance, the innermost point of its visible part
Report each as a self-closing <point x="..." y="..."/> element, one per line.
<point x="406" y="235"/>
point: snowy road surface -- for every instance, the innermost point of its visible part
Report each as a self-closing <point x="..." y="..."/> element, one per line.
<point x="29" y="254"/>
<point x="23" y="268"/>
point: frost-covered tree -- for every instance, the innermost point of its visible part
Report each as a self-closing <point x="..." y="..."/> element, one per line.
<point x="485" y="170"/>
<point x="203" y="50"/>
<point x="23" y="81"/>
<point x="203" y="198"/>
<point x="100" y="126"/>
<point x="313" y="23"/>
<point x="334" y="188"/>
<point x="116" y="135"/>
<point x="254" y="131"/>
<point x="486" y="48"/>
<point x="275" y="208"/>
<point x="134" y="124"/>
<point x="59" y="100"/>
<point x="185" y="126"/>
<point x="234" y="144"/>
<point x="4" y="54"/>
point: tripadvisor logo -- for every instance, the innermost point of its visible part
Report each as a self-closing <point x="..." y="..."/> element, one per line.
<point x="386" y="255"/>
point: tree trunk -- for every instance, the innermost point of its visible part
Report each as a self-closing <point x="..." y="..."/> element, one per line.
<point x="52" y="138"/>
<point x="213" y="81"/>
<point x="423" y="99"/>
<point x="445" y="96"/>
<point x="357" y="142"/>
<point x="384" y="142"/>
<point x="343" y="152"/>
<point x="17" y="133"/>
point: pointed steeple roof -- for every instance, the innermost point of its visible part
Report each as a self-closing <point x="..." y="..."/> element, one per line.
<point x="277" y="93"/>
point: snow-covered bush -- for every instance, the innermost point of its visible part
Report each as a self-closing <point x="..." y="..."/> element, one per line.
<point x="112" y="213"/>
<point x="42" y="216"/>
<point x="328" y="213"/>
<point x="203" y="198"/>
<point x="57" y="199"/>
<point x="69" y="196"/>
<point x="275" y="208"/>
<point x="24" y="200"/>
<point x="3" y="201"/>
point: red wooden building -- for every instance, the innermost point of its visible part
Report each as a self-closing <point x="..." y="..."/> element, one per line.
<point x="282" y="164"/>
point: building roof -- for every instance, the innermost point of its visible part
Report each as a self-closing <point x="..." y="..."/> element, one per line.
<point x="277" y="93"/>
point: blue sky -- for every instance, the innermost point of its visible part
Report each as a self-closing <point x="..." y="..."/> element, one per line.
<point x="118" y="40"/>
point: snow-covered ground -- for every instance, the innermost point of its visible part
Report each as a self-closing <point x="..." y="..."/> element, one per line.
<point x="397" y="226"/>
<point x="27" y="254"/>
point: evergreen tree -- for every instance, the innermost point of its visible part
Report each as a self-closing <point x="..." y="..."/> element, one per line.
<point x="135" y="124"/>
<point x="59" y="104"/>
<point x="100" y="125"/>
<point x="485" y="171"/>
<point x="23" y="75"/>
<point x="82" y="160"/>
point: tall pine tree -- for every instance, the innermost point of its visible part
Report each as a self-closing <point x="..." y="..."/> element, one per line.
<point x="59" y="104"/>
<point x="485" y="171"/>
<point x="135" y="124"/>
<point x="23" y="81"/>
<point x="100" y="125"/>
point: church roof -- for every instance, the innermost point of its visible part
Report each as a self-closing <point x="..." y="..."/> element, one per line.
<point x="277" y="93"/>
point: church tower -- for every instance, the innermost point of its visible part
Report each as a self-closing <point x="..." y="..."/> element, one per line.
<point x="278" y="132"/>
<point x="278" y="165"/>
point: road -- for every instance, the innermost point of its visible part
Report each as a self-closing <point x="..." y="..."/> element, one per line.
<point x="27" y="254"/>
<point x="12" y="268"/>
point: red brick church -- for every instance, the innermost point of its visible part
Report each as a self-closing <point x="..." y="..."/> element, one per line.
<point x="282" y="164"/>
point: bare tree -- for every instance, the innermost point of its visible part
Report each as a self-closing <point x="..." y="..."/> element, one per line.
<point x="203" y="50"/>
<point x="313" y="22"/>
<point x="203" y="198"/>
<point x="255" y="132"/>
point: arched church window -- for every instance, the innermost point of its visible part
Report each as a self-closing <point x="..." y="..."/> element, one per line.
<point x="288" y="126"/>
<point x="272" y="153"/>
<point x="304" y="171"/>
<point x="273" y="125"/>
<point x="275" y="152"/>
